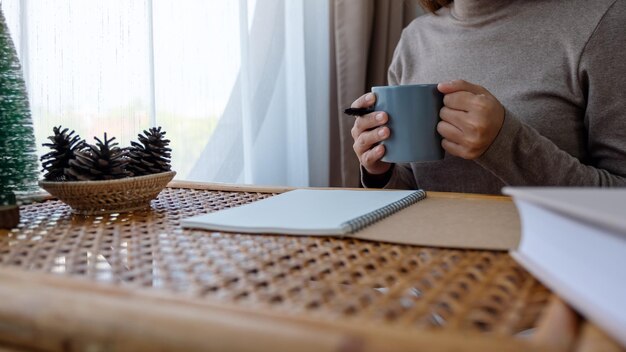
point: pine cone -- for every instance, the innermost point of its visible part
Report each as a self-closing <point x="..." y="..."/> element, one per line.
<point x="152" y="155"/>
<point x="103" y="161"/>
<point x="64" y="146"/>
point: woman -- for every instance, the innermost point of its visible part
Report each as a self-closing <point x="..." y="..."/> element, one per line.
<point x="535" y="94"/>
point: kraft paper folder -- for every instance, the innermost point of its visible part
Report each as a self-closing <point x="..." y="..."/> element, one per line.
<point x="403" y="217"/>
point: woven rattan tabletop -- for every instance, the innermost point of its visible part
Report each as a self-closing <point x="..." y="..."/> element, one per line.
<point x="138" y="280"/>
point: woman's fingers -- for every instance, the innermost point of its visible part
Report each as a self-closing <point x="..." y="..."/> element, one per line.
<point x="367" y="122"/>
<point x="471" y="118"/>
<point x="453" y="148"/>
<point x="372" y="156"/>
<point x="364" y="101"/>
<point x="450" y="132"/>
<point x="452" y="116"/>
<point x="461" y="85"/>
<point x="459" y="100"/>
<point x="366" y="140"/>
<point x="368" y="131"/>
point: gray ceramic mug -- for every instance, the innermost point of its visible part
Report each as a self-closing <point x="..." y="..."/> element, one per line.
<point x="413" y="112"/>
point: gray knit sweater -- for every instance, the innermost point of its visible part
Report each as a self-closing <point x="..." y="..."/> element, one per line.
<point x="559" y="69"/>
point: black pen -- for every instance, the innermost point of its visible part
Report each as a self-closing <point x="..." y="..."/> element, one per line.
<point x="358" y="111"/>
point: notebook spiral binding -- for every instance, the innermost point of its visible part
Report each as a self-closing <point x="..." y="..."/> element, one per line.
<point x="364" y="220"/>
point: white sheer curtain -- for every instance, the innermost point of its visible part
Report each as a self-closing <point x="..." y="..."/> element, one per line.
<point x="239" y="86"/>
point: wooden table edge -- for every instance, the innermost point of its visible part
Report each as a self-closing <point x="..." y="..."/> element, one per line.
<point x="49" y="311"/>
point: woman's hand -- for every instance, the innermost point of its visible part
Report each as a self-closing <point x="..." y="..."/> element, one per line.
<point x="471" y="119"/>
<point x="367" y="131"/>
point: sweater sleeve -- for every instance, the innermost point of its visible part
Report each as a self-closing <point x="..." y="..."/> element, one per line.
<point x="401" y="175"/>
<point x="521" y="156"/>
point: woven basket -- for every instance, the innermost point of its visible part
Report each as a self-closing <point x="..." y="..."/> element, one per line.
<point x="105" y="197"/>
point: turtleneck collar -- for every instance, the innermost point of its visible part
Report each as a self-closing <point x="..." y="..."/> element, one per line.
<point x="466" y="10"/>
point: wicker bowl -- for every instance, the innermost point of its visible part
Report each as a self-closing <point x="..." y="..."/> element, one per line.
<point x="105" y="197"/>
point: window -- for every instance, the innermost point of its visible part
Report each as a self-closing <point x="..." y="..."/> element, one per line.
<point x="121" y="66"/>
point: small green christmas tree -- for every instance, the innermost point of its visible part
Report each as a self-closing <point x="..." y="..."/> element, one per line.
<point x="18" y="162"/>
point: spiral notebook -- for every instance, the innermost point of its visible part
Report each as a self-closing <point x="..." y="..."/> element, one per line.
<point x="308" y="212"/>
<point x="402" y="217"/>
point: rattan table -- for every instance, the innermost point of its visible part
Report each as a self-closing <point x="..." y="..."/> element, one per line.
<point x="138" y="281"/>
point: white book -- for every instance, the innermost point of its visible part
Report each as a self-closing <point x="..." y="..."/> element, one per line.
<point x="308" y="212"/>
<point x="574" y="241"/>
